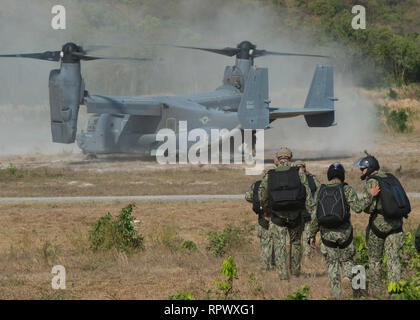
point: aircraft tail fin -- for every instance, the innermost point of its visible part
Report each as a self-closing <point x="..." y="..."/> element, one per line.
<point x="321" y="95"/>
<point x="253" y="112"/>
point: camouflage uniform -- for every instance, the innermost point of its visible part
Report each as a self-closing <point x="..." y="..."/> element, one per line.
<point x="279" y="232"/>
<point x="392" y="244"/>
<point x="418" y="239"/>
<point x="307" y="227"/>
<point x="263" y="234"/>
<point x="334" y="257"/>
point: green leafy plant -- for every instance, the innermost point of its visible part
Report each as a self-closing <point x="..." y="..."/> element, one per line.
<point x="119" y="232"/>
<point x="409" y="287"/>
<point x="220" y="243"/>
<point x="225" y="287"/>
<point x="189" y="245"/>
<point x="361" y="257"/>
<point x="300" y="293"/>
<point x="180" y="296"/>
<point x="405" y="290"/>
<point x="11" y="169"/>
<point x="397" y="120"/>
<point x="392" y="94"/>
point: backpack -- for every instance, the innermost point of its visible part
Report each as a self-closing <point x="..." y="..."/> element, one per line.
<point x="332" y="209"/>
<point x="286" y="191"/>
<point x="256" y="204"/>
<point x="311" y="183"/>
<point x="395" y="203"/>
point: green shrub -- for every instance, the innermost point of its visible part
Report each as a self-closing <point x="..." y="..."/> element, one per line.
<point x="405" y="290"/>
<point x="392" y="94"/>
<point x="396" y="120"/>
<point x="189" y="245"/>
<point x="225" y="287"/>
<point x="108" y="232"/>
<point x="220" y="243"/>
<point x="181" y="296"/>
<point x="361" y="257"/>
<point x="11" y="169"/>
<point x="300" y="293"/>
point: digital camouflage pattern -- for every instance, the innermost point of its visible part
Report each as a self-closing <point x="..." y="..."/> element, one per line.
<point x="336" y="257"/>
<point x="307" y="227"/>
<point x="279" y="233"/>
<point x="279" y="236"/>
<point x="263" y="235"/>
<point x="376" y="246"/>
<point x="249" y="193"/>
<point x="266" y="250"/>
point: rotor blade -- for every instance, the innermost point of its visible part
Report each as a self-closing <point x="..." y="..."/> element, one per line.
<point x="260" y="53"/>
<point x="230" y="52"/>
<point x="89" y="57"/>
<point x="47" y="55"/>
<point x="94" y="48"/>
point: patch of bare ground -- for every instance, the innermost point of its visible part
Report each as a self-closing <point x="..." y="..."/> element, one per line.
<point x="36" y="236"/>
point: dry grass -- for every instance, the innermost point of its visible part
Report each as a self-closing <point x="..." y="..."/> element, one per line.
<point x="408" y="97"/>
<point x="70" y="175"/>
<point x="36" y="236"/>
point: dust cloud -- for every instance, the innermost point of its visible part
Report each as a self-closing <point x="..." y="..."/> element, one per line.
<point x="25" y="27"/>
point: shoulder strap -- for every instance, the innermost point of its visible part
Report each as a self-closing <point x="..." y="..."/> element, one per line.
<point x="256" y="205"/>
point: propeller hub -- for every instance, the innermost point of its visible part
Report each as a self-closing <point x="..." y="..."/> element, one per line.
<point x="246" y="50"/>
<point x="67" y="52"/>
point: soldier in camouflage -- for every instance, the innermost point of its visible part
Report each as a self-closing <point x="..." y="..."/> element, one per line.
<point x="390" y="228"/>
<point x="279" y="227"/>
<point x="418" y="239"/>
<point x="343" y="254"/>
<point x="262" y="233"/>
<point x="314" y="185"/>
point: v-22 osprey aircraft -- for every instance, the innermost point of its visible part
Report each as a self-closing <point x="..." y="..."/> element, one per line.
<point x="121" y="124"/>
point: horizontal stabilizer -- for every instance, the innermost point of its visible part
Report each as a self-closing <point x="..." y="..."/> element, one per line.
<point x="277" y="113"/>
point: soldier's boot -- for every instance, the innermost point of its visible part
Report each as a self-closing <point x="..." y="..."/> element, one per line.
<point x="347" y="290"/>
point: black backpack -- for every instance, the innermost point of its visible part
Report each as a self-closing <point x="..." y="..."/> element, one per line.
<point x="286" y="192"/>
<point x="395" y="203"/>
<point x="311" y="183"/>
<point x="332" y="209"/>
<point x="256" y="204"/>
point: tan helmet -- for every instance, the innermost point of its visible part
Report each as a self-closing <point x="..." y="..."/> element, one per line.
<point x="299" y="164"/>
<point x="284" y="153"/>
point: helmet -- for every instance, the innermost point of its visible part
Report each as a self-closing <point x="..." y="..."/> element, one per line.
<point x="284" y="153"/>
<point x="300" y="164"/>
<point x="368" y="162"/>
<point x="336" y="170"/>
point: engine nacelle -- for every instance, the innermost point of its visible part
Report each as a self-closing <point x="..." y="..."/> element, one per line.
<point x="66" y="94"/>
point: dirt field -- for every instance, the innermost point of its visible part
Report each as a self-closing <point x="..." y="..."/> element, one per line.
<point x="72" y="175"/>
<point x="36" y="236"/>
